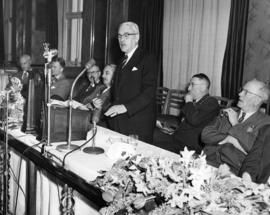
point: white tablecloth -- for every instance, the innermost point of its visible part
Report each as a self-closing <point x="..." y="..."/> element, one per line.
<point x="83" y="164"/>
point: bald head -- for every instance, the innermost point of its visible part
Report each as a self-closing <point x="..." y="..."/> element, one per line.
<point x="25" y="62"/>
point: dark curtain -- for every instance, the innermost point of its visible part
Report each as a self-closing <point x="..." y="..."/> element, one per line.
<point x="233" y="62"/>
<point x="2" y="52"/>
<point x="51" y="23"/>
<point x="148" y="14"/>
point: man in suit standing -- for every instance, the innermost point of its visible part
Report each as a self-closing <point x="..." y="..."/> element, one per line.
<point x="231" y="136"/>
<point x="134" y="87"/>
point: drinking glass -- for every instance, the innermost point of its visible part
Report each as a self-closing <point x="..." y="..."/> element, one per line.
<point x="133" y="139"/>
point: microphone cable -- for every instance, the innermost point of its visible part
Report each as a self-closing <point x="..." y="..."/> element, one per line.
<point x="87" y="141"/>
<point x="30" y="147"/>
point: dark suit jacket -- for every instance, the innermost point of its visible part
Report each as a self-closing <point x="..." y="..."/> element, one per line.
<point x="84" y="91"/>
<point x="257" y="162"/>
<point x="135" y="86"/>
<point x="196" y="117"/>
<point x="100" y="92"/>
<point x="245" y="132"/>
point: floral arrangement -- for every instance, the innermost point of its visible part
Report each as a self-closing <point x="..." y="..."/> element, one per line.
<point x="158" y="186"/>
<point x="15" y="102"/>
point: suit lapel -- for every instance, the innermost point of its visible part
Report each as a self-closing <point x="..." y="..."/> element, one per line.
<point x="253" y="119"/>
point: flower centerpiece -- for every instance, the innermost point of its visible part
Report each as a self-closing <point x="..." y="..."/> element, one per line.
<point x="15" y="101"/>
<point x="187" y="185"/>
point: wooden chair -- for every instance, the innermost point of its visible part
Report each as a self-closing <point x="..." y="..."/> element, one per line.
<point x="265" y="108"/>
<point x="224" y="102"/>
<point x="161" y="98"/>
<point x="174" y="102"/>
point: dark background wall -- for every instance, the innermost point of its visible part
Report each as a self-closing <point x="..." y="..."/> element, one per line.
<point x="257" y="55"/>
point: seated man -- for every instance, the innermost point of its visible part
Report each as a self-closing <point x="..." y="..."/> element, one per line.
<point x="200" y="109"/>
<point x="256" y="165"/>
<point x="231" y="136"/>
<point x="61" y="86"/>
<point x="99" y="100"/>
<point x="32" y="91"/>
<point x="93" y="76"/>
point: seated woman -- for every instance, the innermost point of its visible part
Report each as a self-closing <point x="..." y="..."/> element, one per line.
<point x="99" y="100"/>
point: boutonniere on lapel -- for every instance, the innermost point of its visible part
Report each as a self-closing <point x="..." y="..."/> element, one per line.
<point x="250" y="128"/>
<point x="134" y="69"/>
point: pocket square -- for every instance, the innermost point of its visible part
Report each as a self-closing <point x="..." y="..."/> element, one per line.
<point x="134" y="69"/>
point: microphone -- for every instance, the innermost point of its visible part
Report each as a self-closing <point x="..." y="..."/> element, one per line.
<point x="70" y="146"/>
<point x="50" y="54"/>
<point x="90" y="63"/>
<point x="54" y="52"/>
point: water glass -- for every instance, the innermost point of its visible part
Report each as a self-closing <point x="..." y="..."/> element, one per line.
<point x="133" y="139"/>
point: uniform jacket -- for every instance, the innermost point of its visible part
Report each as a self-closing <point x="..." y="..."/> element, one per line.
<point x="196" y="117"/>
<point x="60" y="89"/>
<point x="257" y="162"/>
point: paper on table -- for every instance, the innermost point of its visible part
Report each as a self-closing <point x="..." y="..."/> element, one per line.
<point x="164" y="128"/>
<point x="74" y="104"/>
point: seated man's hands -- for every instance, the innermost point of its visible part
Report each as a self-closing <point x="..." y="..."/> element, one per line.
<point x="97" y="103"/>
<point x="188" y="98"/>
<point x="234" y="142"/>
<point x="115" y="110"/>
<point x="89" y="106"/>
<point x="232" y="115"/>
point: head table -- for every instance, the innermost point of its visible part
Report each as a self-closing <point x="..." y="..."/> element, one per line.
<point x="45" y="190"/>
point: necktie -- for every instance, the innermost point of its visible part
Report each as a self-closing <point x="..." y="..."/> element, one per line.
<point x="242" y="117"/>
<point x="25" y="75"/>
<point x="124" y="61"/>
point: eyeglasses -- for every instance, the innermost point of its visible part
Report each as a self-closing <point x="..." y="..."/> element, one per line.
<point x="245" y="91"/>
<point x="92" y="72"/>
<point x="125" y="35"/>
<point x="193" y="84"/>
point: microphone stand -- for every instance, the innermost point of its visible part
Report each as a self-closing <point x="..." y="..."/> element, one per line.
<point x="48" y="54"/>
<point x="49" y="83"/>
<point x="69" y="146"/>
<point x="6" y="163"/>
<point x="93" y="149"/>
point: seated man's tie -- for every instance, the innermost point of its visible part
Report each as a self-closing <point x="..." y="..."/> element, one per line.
<point x="241" y="119"/>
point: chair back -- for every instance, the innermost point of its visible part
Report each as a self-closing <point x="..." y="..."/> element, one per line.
<point x="224" y="102"/>
<point x="265" y="108"/>
<point x="161" y="98"/>
<point x="175" y="101"/>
